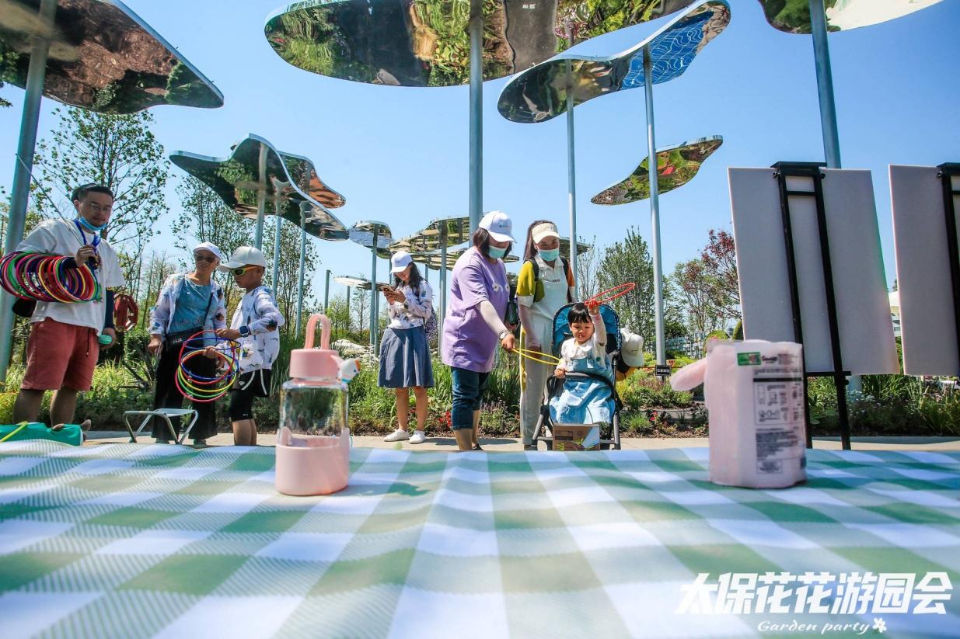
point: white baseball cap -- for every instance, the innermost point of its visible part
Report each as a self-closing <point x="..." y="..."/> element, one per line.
<point x="631" y="349"/>
<point x="498" y="225"/>
<point x="244" y="256"/>
<point x="211" y="247"/>
<point x="544" y="230"/>
<point x="399" y="261"/>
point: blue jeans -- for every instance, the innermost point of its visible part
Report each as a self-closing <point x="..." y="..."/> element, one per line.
<point x="467" y="388"/>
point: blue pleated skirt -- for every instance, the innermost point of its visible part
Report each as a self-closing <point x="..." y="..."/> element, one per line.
<point x="405" y="358"/>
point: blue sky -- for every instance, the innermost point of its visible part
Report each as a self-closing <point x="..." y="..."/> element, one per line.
<point x="400" y="155"/>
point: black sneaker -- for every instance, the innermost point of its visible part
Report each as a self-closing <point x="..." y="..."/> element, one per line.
<point x="477" y="447"/>
<point x="199" y="443"/>
<point x="529" y="446"/>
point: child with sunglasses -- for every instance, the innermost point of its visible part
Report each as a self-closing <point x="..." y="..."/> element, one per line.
<point x="254" y="325"/>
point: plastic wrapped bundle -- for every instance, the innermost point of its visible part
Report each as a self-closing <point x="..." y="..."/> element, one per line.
<point x="754" y="395"/>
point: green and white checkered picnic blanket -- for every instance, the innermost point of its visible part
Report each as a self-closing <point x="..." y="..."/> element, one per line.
<point x="164" y="541"/>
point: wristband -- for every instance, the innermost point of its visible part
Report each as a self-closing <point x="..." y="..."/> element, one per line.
<point x="503" y="334"/>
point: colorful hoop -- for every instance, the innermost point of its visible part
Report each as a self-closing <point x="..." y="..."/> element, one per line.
<point x="611" y="294"/>
<point x="199" y="388"/>
<point x="46" y="278"/>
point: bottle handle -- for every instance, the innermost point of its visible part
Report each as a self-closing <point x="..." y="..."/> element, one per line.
<point x="312" y="329"/>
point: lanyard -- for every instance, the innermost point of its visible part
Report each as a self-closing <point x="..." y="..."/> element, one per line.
<point x="95" y="242"/>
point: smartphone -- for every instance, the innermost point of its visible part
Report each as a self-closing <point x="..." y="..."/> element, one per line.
<point x="384" y="287"/>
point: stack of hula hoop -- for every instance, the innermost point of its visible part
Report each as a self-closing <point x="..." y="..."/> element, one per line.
<point x="47" y="278"/>
<point x="199" y="388"/>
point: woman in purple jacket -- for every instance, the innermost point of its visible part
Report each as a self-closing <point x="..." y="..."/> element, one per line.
<point x="479" y="292"/>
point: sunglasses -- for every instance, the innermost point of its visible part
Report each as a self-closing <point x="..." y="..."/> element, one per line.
<point x="241" y="270"/>
<point x="204" y="258"/>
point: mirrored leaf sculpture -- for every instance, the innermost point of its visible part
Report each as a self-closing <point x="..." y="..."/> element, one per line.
<point x="425" y="43"/>
<point x="450" y="231"/>
<point x="102" y="57"/>
<point x="676" y="165"/>
<point x="793" y="16"/>
<point x="364" y="232"/>
<point x="353" y="282"/>
<point x="540" y="94"/>
<point x="289" y="179"/>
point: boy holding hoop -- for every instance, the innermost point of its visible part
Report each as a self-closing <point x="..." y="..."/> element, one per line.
<point x="254" y="326"/>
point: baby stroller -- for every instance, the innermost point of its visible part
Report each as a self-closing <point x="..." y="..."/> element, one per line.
<point x="609" y="433"/>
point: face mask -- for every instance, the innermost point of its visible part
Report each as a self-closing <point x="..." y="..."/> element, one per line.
<point x="90" y="227"/>
<point x="551" y="255"/>
<point x="496" y="253"/>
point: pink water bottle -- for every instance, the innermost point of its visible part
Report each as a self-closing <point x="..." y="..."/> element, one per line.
<point x="313" y="443"/>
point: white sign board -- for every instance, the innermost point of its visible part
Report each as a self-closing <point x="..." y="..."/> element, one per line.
<point x="927" y="322"/>
<point x="863" y="311"/>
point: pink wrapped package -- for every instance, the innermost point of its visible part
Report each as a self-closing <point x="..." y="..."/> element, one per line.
<point x="754" y="396"/>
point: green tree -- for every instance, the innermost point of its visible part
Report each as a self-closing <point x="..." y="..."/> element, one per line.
<point x="118" y="151"/>
<point x="696" y="290"/>
<point x="587" y="264"/>
<point x="719" y="259"/>
<point x="339" y="319"/>
<point x="629" y="261"/>
<point x="360" y="305"/>
<point x="156" y="268"/>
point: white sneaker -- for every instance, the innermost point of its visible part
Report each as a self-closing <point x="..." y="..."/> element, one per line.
<point x="398" y="435"/>
<point x="418" y="437"/>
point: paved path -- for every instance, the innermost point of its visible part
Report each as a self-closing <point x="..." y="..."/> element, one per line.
<point x="508" y="444"/>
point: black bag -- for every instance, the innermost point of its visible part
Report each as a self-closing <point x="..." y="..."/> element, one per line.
<point x="24" y="308"/>
<point x="176" y="340"/>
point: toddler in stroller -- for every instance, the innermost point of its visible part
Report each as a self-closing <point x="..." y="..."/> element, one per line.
<point x="582" y="389"/>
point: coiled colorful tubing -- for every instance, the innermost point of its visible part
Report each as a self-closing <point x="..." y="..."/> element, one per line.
<point x="199" y="388"/>
<point x="48" y="278"/>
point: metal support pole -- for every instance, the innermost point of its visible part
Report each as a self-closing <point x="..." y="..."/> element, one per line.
<point x="443" y="278"/>
<point x="304" y="207"/>
<point x="261" y="197"/>
<point x="813" y="172"/>
<point x="23" y="167"/>
<point x="794" y="285"/>
<point x="373" y="292"/>
<point x="326" y="293"/>
<point x="276" y="244"/>
<point x="476" y="113"/>
<point x="828" y="109"/>
<point x="349" y="319"/>
<point x="571" y="172"/>
<point x="654" y="207"/>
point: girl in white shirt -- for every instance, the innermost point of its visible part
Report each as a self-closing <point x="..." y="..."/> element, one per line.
<point x="584" y="400"/>
<point x="404" y="351"/>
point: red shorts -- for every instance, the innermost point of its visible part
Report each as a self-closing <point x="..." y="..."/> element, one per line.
<point x="60" y="356"/>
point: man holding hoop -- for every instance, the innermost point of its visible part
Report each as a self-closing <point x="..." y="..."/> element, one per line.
<point x="63" y="347"/>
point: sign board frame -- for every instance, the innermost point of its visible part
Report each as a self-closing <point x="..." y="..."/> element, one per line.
<point x="863" y="310"/>
<point x="928" y="317"/>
